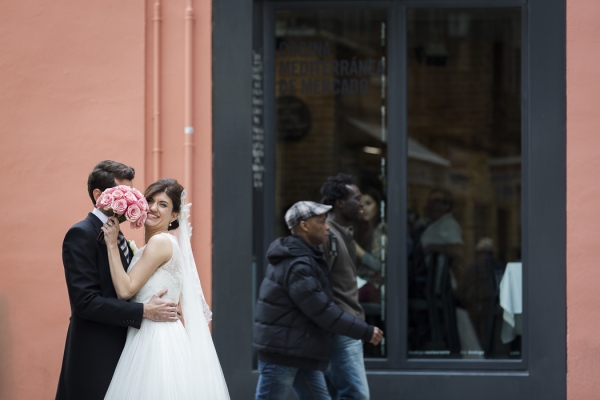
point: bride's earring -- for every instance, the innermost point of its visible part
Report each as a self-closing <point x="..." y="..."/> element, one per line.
<point x="170" y="223"/>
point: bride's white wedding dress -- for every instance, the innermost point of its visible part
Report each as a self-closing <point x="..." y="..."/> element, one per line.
<point x="164" y="360"/>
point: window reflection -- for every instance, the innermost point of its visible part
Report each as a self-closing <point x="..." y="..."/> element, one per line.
<point x="330" y="100"/>
<point x="464" y="183"/>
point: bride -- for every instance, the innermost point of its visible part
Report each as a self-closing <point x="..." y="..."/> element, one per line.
<point x="164" y="360"/>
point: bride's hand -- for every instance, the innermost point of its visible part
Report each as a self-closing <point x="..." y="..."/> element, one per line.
<point x="111" y="231"/>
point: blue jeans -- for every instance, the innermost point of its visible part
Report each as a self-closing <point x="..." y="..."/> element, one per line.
<point x="276" y="381"/>
<point x="346" y="375"/>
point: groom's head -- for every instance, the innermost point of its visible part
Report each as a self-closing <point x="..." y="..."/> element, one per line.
<point x="107" y="174"/>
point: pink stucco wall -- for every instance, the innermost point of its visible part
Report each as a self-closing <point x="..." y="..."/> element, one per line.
<point x="172" y="116"/>
<point x="73" y="79"/>
<point x="583" y="197"/>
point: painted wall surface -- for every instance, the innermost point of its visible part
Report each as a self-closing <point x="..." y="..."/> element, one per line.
<point x="73" y="78"/>
<point x="583" y="193"/>
<point x="171" y="90"/>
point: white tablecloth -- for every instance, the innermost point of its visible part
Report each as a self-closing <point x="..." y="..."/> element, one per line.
<point x="511" y="301"/>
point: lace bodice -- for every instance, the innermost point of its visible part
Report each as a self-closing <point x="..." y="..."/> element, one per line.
<point x="168" y="276"/>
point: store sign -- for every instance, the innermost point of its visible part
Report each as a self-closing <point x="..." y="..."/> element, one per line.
<point x="310" y="68"/>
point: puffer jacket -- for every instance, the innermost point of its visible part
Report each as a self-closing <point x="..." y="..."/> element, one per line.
<point x="295" y="314"/>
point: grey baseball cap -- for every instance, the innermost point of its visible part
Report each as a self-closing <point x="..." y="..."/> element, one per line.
<point x="303" y="210"/>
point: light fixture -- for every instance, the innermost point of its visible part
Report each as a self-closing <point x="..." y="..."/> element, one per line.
<point x="372" y="150"/>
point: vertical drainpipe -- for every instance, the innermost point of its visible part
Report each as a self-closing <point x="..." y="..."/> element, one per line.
<point x="156" y="91"/>
<point x="189" y="127"/>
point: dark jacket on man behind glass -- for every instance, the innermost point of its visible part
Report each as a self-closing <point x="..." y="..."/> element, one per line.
<point x="295" y="312"/>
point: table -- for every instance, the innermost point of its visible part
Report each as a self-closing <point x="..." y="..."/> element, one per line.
<point x="511" y="301"/>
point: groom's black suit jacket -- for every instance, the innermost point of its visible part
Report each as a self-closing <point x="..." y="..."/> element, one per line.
<point x="99" y="321"/>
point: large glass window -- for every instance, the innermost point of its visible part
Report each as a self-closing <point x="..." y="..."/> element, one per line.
<point x="464" y="183"/>
<point x="330" y="117"/>
<point x="463" y="179"/>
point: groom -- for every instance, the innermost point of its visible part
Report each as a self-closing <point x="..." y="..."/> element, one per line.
<point x="99" y="321"/>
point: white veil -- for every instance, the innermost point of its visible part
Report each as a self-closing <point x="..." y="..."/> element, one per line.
<point x="197" y="314"/>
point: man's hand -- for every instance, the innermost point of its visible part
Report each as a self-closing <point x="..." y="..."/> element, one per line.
<point x="160" y="310"/>
<point x="377" y="336"/>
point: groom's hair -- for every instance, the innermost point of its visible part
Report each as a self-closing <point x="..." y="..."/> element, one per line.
<point x="104" y="174"/>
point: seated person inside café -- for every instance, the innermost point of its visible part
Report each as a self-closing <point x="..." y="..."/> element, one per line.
<point x="443" y="234"/>
<point x="437" y="235"/>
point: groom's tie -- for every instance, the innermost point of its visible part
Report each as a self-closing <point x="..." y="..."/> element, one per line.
<point x="123" y="245"/>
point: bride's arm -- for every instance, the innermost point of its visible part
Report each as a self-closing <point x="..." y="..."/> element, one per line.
<point x="158" y="251"/>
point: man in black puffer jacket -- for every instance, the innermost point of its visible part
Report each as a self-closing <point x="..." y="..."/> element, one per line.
<point x="295" y="312"/>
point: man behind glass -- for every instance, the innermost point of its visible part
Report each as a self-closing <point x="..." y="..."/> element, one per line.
<point x="295" y="312"/>
<point x="346" y="375"/>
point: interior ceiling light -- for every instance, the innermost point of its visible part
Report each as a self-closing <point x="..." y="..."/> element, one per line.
<point x="372" y="150"/>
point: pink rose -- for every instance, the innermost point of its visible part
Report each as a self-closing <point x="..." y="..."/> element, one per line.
<point x="140" y="222"/>
<point x="104" y="201"/>
<point x="133" y="213"/>
<point x="119" y="206"/>
<point x="118" y="194"/>
<point x="143" y="204"/>
<point x="137" y="194"/>
<point x="131" y="199"/>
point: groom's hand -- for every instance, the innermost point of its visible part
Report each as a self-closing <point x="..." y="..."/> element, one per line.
<point x="160" y="310"/>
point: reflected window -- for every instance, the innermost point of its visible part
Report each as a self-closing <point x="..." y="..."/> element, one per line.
<point x="464" y="183"/>
<point x="330" y="117"/>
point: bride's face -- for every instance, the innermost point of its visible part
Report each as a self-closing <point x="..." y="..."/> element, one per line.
<point x="161" y="211"/>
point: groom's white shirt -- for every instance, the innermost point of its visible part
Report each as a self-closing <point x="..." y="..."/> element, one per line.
<point x="101" y="216"/>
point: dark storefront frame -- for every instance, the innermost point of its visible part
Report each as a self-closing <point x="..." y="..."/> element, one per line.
<point x="542" y="372"/>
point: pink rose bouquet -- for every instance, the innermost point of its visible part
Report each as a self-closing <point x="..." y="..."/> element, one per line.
<point x="126" y="203"/>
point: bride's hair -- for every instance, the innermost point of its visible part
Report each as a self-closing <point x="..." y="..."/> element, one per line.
<point x="173" y="189"/>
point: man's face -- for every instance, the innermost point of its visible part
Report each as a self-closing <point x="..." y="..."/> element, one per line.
<point x="353" y="205"/>
<point x="98" y="192"/>
<point x="437" y="205"/>
<point x="318" y="229"/>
